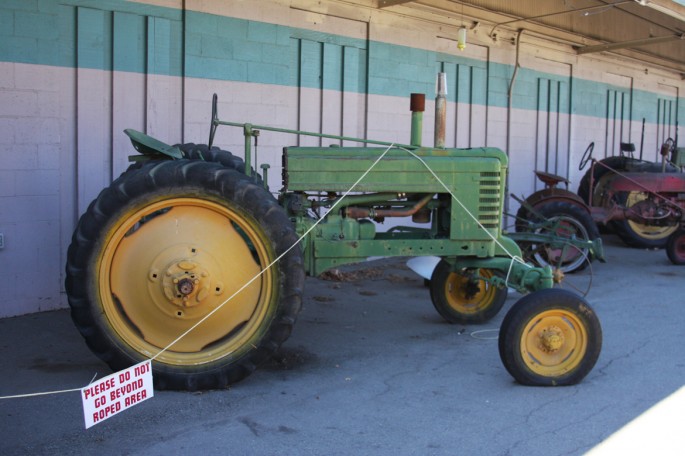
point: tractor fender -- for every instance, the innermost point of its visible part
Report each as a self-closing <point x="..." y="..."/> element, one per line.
<point x="650" y="182"/>
<point x="548" y="195"/>
<point x="147" y="145"/>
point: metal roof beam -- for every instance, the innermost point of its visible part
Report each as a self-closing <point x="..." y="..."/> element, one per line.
<point x="627" y="44"/>
<point x="668" y="7"/>
<point x="568" y="11"/>
<point x="386" y="3"/>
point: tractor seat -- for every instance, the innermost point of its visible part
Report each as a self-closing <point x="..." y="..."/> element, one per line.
<point x="551" y="180"/>
<point x="627" y="149"/>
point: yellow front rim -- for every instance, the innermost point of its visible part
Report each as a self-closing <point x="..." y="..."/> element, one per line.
<point x="467" y="297"/>
<point x="554" y="343"/>
<point x="170" y="264"/>
<point x="649" y="232"/>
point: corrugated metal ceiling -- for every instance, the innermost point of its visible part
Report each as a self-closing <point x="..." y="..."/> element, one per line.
<point x="648" y="30"/>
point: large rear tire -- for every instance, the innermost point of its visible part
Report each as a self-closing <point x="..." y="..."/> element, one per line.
<point x="641" y="235"/>
<point x="550" y="338"/>
<point x="203" y="152"/>
<point x="170" y="244"/>
<point x="617" y="163"/>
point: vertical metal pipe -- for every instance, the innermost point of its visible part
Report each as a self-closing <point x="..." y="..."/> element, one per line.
<point x="642" y="138"/>
<point x="417" y="105"/>
<point x="247" y="134"/>
<point x="440" y="110"/>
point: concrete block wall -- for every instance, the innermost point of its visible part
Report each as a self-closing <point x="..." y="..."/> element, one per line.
<point x="30" y="135"/>
<point x="74" y="74"/>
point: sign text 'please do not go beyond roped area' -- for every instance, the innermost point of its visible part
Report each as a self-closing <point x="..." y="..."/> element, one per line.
<point x="117" y="392"/>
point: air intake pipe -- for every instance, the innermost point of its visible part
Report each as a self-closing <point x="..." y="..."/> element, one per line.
<point x="440" y="110"/>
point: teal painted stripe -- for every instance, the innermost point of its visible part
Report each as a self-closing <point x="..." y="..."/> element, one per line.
<point x="134" y="37"/>
<point x="130" y="43"/>
<point x="226" y="48"/>
<point x="46" y="32"/>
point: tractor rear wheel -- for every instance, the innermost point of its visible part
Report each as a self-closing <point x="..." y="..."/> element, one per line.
<point x="564" y="221"/>
<point x="551" y="337"/>
<point x="203" y="152"/>
<point x="176" y="261"/>
<point x="617" y="163"/>
<point x="637" y="234"/>
<point x="675" y="248"/>
<point x="192" y="151"/>
<point x="461" y="297"/>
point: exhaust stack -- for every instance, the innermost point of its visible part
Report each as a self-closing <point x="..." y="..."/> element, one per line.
<point x="440" y="110"/>
<point x="417" y="104"/>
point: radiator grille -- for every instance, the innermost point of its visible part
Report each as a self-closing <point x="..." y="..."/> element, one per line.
<point x="489" y="209"/>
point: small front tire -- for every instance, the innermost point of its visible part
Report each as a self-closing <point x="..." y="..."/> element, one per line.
<point x="463" y="297"/>
<point x="675" y="248"/>
<point x="550" y="338"/>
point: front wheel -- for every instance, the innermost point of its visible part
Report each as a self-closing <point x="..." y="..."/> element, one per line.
<point x="675" y="248"/>
<point x="465" y="296"/>
<point x="175" y="244"/>
<point x="550" y="338"/>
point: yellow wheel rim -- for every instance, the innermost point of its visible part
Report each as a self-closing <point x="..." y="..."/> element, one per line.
<point x="168" y="265"/>
<point x="468" y="297"/>
<point x="649" y="232"/>
<point x="554" y="343"/>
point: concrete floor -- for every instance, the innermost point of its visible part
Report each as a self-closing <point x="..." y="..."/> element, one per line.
<point x="371" y="368"/>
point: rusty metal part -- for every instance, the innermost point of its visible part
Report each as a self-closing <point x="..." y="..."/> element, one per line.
<point x="647" y="211"/>
<point x="417" y="102"/>
<point x="186" y="286"/>
<point x="423" y="215"/>
<point x="417" y="105"/>
<point x="649" y="182"/>
<point x="651" y="211"/>
<point x="558" y="275"/>
<point x="551" y="339"/>
<point x="364" y="212"/>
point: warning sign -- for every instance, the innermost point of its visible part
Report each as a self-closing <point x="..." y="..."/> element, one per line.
<point x="117" y="392"/>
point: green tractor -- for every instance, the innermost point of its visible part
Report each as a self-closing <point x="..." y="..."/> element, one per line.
<point x="189" y="260"/>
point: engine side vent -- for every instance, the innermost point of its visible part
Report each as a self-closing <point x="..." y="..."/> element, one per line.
<point x="489" y="209"/>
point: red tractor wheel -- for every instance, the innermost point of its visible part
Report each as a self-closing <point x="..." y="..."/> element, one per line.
<point x="564" y="221"/>
<point x="675" y="248"/>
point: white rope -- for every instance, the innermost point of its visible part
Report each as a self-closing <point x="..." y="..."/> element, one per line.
<point x="17" y="396"/>
<point x="477" y="334"/>
<point x="475" y="219"/>
<point x="306" y="233"/>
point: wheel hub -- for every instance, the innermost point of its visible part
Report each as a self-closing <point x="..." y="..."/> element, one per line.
<point x="470" y="289"/>
<point x="185" y="282"/>
<point x="186" y="286"/>
<point x="551" y="339"/>
<point x="558" y="275"/>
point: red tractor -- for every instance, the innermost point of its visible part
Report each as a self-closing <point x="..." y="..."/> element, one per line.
<point x="642" y="202"/>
